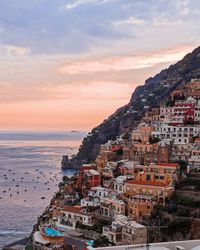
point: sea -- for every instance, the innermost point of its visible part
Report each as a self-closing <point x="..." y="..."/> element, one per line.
<point x="30" y="169"/>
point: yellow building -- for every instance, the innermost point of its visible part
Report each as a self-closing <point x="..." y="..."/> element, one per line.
<point x="139" y="205"/>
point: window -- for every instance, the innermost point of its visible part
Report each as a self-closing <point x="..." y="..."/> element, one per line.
<point x="148" y="177"/>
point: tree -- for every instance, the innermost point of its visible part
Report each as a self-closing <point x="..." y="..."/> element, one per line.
<point x="180" y="225"/>
<point x="103" y="241"/>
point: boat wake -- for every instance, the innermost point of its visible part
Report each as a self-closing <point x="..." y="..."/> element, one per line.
<point x="12" y="232"/>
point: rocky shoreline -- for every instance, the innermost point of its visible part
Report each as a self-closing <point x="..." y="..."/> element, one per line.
<point x="151" y="95"/>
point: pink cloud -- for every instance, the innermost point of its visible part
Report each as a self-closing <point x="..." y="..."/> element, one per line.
<point x="129" y="62"/>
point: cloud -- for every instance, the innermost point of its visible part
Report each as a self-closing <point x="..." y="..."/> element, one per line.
<point x="98" y="90"/>
<point x="118" y="63"/>
<point x="78" y="3"/>
<point x="164" y="21"/>
<point x="183" y="6"/>
<point x="11" y="50"/>
<point x="130" y="21"/>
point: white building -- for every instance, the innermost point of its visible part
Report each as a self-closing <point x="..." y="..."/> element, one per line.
<point x="119" y="184"/>
<point x="100" y="192"/>
<point x="90" y="201"/>
<point x="178" y="134"/>
<point x="194" y="160"/>
<point x="166" y="113"/>
<point x="71" y="215"/>
<point x="181" y="152"/>
<point x="197" y="112"/>
<point x="126" y="231"/>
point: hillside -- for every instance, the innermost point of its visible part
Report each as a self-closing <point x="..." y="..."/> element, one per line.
<point x="151" y="94"/>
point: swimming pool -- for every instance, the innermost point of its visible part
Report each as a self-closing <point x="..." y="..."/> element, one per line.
<point x="90" y="242"/>
<point x="49" y="231"/>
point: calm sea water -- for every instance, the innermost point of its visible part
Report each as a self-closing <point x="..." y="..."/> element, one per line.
<point x="29" y="169"/>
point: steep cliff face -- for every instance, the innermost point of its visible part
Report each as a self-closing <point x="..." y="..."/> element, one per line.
<point x="155" y="90"/>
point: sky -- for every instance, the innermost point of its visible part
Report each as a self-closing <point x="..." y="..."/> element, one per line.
<point x="69" y="64"/>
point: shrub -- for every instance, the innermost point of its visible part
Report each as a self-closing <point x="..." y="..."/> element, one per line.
<point x="185" y="212"/>
<point x="180" y="225"/>
<point x="101" y="242"/>
<point x="187" y="201"/>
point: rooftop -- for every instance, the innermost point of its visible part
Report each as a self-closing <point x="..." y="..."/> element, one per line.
<point x="147" y="183"/>
<point x="91" y="172"/>
<point x="73" y="209"/>
<point x="168" y="164"/>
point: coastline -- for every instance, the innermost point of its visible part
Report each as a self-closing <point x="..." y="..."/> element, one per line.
<point x="23" y="161"/>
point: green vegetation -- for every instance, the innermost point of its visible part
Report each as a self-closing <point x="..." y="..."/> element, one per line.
<point x="97" y="227"/>
<point x="187" y="201"/>
<point x="183" y="212"/>
<point x="180" y="225"/>
<point x="29" y="247"/>
<point x="102" y="242"/>
<point x="153" y="140"/>
<point x="119" y="152"/>
<point x="126" y="136"/>
<point x="170" y="103"/>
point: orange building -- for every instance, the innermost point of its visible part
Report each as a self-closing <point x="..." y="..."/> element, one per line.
<point x="193" y="89"/>
<point x="138" y="206"/>
<point x="102" y="159"/>
<point x="160" y="191"/>
<point x="143" y="148"/>
<point x="165" y="173"/>
<point x="128" y="152"/>
<point x="142" y="133"/>
<point x="152" y="116"/>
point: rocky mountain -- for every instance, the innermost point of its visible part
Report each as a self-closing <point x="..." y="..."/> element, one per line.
<point x="155" y="90"/>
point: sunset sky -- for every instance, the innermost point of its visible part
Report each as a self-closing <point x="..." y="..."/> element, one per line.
<point x="68" y="64"/>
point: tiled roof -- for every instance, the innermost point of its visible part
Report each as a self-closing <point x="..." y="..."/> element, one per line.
<point x="168" y="164"/>
<point x="147" y="183"/>
<point x="76" y="210"/>
<point x="72" y="209"/>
